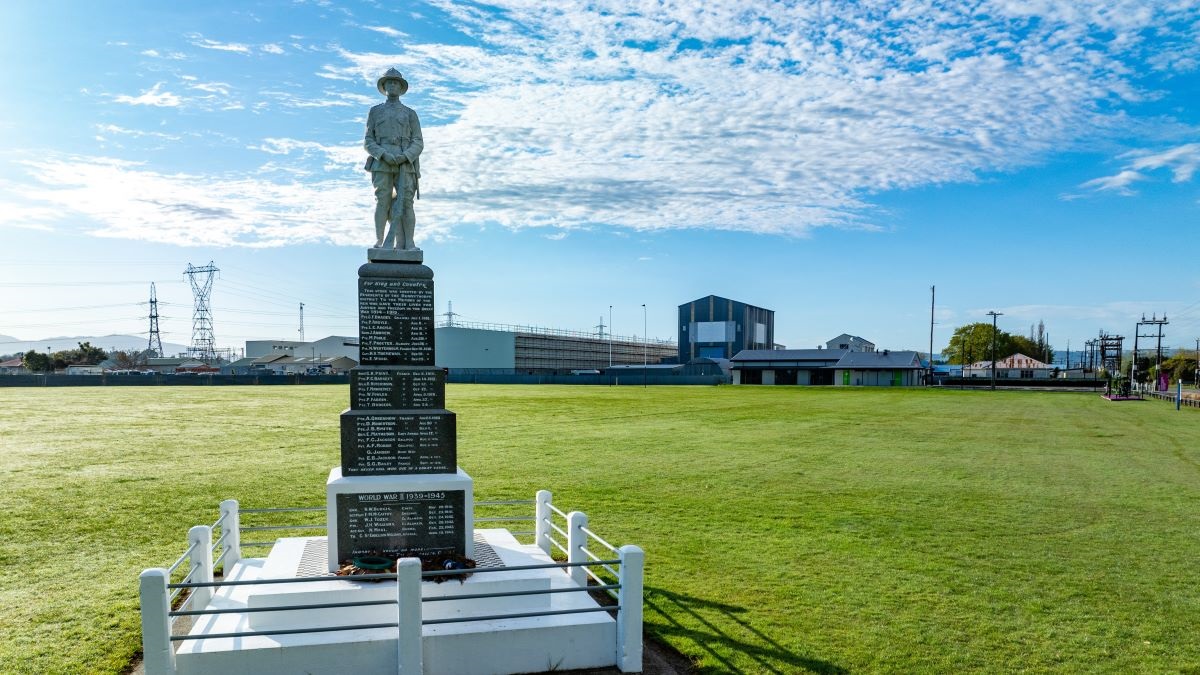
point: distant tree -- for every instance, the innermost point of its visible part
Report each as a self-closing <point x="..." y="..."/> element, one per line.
<point x="36" y="361"/>
<point x="1182" y="365"/>
<point x="970" y="343"/>
<point x="973" y="342"/>
<point x="130" y="359"/>
<point x="89" y="354"/>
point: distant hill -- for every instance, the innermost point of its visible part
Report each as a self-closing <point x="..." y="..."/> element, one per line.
<point x="11" y="345"/>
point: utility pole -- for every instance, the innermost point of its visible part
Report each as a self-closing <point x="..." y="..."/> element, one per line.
<point x="1152" y="321"/>
<point x="1158" y="350"/>
<point x="302" y="322"/>
<point x="994" y="314"/>
<point x="932" y="299"/>
<point x="610" y="336"/>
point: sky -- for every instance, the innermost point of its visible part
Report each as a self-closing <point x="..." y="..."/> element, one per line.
<point x="831" y="161"/>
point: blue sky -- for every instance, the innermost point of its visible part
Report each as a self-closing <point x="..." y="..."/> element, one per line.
<point x="827" y="160"/>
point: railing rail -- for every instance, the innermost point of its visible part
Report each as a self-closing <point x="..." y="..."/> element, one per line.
<point x="159" y="593"/>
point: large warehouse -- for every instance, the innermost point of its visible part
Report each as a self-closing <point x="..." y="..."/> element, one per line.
<point x="717" y="328"/>
<point x="527" y="349"/>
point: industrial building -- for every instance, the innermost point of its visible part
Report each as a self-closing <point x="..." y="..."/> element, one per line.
<point x="713" y="327"/>
<point x="499" y="348"/>
<point x="329" y="347"/>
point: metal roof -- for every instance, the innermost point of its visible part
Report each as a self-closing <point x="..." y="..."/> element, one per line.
<point x="789" y="355"/>
<point x="866" y="360"/>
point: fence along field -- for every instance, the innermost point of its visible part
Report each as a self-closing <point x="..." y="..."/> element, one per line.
<point x="785" y="529"/>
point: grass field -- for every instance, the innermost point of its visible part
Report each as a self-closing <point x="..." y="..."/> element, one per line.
<point x="786" y="529"/>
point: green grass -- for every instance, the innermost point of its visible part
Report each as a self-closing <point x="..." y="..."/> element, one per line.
<point x="785" y="529"/>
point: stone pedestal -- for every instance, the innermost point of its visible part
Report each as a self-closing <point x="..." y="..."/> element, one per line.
<point x="399" y="491"/>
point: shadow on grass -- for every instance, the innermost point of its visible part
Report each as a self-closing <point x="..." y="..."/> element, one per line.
<point x="719" y="623"/>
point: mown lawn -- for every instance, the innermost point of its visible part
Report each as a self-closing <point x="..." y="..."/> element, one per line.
<point x="786" y="529"/>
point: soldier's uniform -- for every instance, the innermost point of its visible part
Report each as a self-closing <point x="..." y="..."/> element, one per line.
<point x="393" y="128"/>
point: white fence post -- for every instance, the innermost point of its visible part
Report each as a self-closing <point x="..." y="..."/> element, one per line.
<point x="158" y="658"/>
<point x="629" y="618"/>
<point x="231" y="530"/>
<point x="576" y="539"/>
<point x="408" y="603"/>
<point x="200" y="537"/>
<point x="543" y="515"/>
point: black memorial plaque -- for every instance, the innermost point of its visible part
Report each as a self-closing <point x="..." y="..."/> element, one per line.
<point x="400" y="524"/>
<point x="392" y="444"/>
<point x="401" y="389"/>
<point x="395" y="321"/>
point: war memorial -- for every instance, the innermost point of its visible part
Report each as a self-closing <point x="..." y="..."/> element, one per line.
<point x="403" y="581"/>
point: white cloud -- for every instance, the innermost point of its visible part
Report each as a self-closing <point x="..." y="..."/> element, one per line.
<point x="272" y="49"/>
<point x="126" y="200"/>
<point x="205" y="43"/>
<point x="1182" y="161"/>
<point x="154" y="96"/>
<point x="338" y="157"/>
<point x="1119" y="182"/>
<point x="220" y="88"/>
<point x="1119" y="313"/>
<point x="750" y="115"/>
<point x="782" y="119"/>
<point x="136" y="133"/>
<point x="386" y="30"/>
<point x="173" y="56"/>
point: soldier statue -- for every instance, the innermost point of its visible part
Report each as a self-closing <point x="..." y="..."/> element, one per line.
<point x="393" y="141"/>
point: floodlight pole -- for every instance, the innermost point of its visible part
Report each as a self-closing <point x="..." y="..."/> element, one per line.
<point x="645" y="348"/>
<point x="994" y="314"/>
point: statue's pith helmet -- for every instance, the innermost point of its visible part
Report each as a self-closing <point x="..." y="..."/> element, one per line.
<point x="392" y="74"/>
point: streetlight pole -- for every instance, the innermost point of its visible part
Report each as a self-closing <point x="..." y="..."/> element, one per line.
<point x="962" y="358"/>
<point x="994" y="314"/>
<point x="645" y="348"/>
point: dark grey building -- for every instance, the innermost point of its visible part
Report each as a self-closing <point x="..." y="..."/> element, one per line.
<point x="718" y="328"/>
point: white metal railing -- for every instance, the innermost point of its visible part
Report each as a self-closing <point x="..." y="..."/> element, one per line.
<point x="159" y="594"/>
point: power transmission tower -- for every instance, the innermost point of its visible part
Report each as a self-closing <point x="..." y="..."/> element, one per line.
<point x="450" y="314"/>
<point x="155" y="337"/>
<point x="203" y="343"/>
<point x="1110" y="347"/>
<point x="302" y="322"/>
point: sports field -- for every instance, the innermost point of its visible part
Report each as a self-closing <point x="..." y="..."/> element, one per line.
<point x="786" y="529"/>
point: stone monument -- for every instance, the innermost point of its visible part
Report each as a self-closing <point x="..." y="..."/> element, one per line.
<point x="399" y="491"/>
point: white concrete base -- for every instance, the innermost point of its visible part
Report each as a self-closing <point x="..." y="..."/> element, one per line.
<point x="337" y="484"/>
<point x="521" y="645"/>
<point x="283" y="563"/>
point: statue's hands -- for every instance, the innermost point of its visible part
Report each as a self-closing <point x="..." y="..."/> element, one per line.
<point x="389" y="158"/>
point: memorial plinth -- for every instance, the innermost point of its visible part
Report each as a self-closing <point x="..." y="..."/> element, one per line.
<point x="399" y="491"/>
